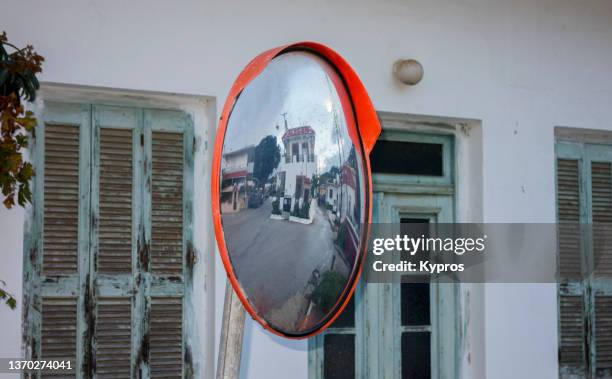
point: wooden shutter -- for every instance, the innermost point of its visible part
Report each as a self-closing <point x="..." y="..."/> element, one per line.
<point x="61" y="200"/>
<point x="601" y="187"/>
<point x="166" y="337"/>
<point x="572" y="354"/>
<point x="601" y="198"/>
<point x="170" y="161"/>
<point x="114" y="241"/>
<point x="58" y="331"/>
<point x="115" y="202"/>
<point x="584" y="191"/>
<point x="603" y="336"/>
<point x="54" y="275"/>
<point x="568" y="211"/>
<point x="113" y="337"/>
<point x="167" y="203"/>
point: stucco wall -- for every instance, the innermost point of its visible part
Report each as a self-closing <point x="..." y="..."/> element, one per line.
<point x="520" y="67"/>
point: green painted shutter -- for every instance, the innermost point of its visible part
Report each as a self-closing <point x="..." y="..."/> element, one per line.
<point x="116" y="210"/>
<point x="169" y="144"/>
<point x="571" y="300"/>
<point x="601" y="200"/>
<point x="167" y="252"/>
<point x="108" y="279"/>
<point x="60" y="241"/>
<point x="56" y="253"/>
<point x="584" y="197"/>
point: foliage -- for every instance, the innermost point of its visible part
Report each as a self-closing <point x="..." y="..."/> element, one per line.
<point x="7" y="297"/>
<point x="266" y="159"/>
<point x="276" y="206"/>
<point x="17" y="81"/>
<point x="314" y="186"/>
<point x="329" y="289"/>
<point x="305" y="211"/>
<point x="296" y="208"/>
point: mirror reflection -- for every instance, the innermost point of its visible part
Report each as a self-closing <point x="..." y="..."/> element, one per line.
<point x="292" y="192"/>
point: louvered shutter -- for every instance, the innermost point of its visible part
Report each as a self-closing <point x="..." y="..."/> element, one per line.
<point x="572" y="354"/>
<point x="113" y="337"/>
<point x="584" y="195"/>
<point x="58" y="258"/>
<point x="58" y="334"/>
<point x="603" y="336"/>
<point x="111" y="279"/>
<point x="601" y="206"/>
<point x="114" y="254"/>
<point x="166" y="337"/>
<point x="170" y="147"/>
<point x="60" y="241"/>
<point x="116" y="209"/>
<point x="601" y="187"/>
<point x="61" y="197"/>
<point x="167" y="203"/>
<point x="568" y="211"/>
<point x="571" y="319"/>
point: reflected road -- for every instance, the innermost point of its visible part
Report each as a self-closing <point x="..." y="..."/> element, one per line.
<point x="263" y="253"/>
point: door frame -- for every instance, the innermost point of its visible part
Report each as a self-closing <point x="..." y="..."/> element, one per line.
<point x="371" y="297"/>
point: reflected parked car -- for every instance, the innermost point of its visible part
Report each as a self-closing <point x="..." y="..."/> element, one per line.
<point x="255" y="199"/>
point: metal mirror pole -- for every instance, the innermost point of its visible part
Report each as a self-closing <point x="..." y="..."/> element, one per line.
<point x="232" y="330"/>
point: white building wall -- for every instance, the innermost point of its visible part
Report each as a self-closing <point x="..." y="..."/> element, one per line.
<point x="235" y="162"/>
<point x="520" y="67"/>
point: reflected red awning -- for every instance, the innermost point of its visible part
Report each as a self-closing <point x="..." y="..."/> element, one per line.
<point x="235" y="174"/>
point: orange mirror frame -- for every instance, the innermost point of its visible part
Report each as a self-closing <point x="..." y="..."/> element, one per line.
<point x="364" y="135"/>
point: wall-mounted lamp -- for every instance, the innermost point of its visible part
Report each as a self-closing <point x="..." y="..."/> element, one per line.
<point x="408" y="71"/>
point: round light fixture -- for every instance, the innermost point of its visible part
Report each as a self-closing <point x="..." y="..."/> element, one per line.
<point x="408" y="71"/>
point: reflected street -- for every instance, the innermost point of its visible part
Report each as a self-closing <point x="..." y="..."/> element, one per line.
<point x="260" y="246"/>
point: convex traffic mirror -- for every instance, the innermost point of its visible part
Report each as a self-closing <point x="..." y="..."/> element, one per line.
<point x="291" y="187"/>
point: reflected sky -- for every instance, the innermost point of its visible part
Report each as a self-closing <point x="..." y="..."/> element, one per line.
<point x="268" y="100"/>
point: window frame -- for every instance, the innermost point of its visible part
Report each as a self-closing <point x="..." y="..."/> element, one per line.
<point x="84" y="116"/>
<point x="396" y="196"/>
<point x="405" y="183"/>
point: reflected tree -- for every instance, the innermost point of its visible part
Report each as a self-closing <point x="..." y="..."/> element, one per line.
<point x="267" y="158"/>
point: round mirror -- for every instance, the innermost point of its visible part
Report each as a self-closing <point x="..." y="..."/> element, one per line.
<point x="293" y="193"/>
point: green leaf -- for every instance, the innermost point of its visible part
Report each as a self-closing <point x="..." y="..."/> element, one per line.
<point x="12" y="303"/>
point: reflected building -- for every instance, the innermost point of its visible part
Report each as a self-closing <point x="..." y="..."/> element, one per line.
<point x="298" y="166"/>
<point x="349" y="223"/>
<point x="236" y="179"/>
